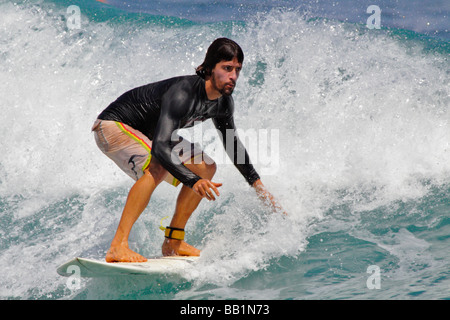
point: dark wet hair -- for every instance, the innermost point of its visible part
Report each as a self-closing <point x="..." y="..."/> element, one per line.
<point x="222" y="49"/>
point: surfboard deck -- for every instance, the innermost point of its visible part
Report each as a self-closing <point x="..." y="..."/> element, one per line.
<point x="92" y="268"/>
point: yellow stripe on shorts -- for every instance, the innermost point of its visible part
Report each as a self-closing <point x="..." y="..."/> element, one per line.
<point x="137" y="139"/>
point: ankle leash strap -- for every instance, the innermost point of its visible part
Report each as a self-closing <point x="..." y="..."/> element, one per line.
<point x="174" y="233"/>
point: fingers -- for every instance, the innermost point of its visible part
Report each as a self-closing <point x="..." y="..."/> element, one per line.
<point x="206" y="189"/>
<point x="207" y="193"/>
<point x="214" y="187"/>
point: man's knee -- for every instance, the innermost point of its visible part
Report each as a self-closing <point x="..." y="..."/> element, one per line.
<point x="211" y="168"/>
<point x="206" y="168"/>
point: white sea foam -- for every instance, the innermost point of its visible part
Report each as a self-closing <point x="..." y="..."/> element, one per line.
<point x="357" y="111"/>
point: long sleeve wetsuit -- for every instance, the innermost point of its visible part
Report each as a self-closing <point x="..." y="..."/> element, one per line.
<point x="158" y="109"/>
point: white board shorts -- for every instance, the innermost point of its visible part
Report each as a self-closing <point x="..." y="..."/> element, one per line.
<point x="131" y="150"/>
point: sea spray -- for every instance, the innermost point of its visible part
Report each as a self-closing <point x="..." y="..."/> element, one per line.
<point x="362" y="117"/>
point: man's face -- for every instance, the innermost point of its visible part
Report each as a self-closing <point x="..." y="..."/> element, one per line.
<point x="224" y="76"/>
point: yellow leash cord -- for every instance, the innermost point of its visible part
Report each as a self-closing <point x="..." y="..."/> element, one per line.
<point x="172" y="233"/>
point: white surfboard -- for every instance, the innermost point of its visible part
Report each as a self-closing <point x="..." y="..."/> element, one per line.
<point x="91" y="268"/>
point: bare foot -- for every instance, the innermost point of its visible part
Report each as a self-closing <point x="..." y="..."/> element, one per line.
<point x="123" y="254"/>
<point x="172" y="247"/>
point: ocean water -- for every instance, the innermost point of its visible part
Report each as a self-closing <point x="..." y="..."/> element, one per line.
<point x="362" y="123"/>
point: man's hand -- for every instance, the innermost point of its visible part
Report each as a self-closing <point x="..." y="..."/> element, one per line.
<point x="203" y="188"/>
<point x="267" y="197"/>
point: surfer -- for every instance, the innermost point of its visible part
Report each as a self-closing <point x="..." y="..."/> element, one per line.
<point x="138" y="132"/>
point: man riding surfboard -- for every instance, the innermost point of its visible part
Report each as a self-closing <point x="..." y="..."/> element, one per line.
<point x="137" y="132"/>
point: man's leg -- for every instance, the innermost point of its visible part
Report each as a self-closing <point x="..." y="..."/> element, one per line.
<point x="137" y="201"/>
<point x="187" y="202"/>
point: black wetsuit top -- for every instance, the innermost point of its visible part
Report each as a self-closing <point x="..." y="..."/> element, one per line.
<point x="158" y="109"/>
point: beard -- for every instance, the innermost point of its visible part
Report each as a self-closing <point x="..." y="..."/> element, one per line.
<point x="224" y="89"/>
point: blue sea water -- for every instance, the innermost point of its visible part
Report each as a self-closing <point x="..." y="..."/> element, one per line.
<point x="364" y="148"/>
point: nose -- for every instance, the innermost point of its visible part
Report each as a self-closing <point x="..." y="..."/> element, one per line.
<point x="234" y="75"/>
